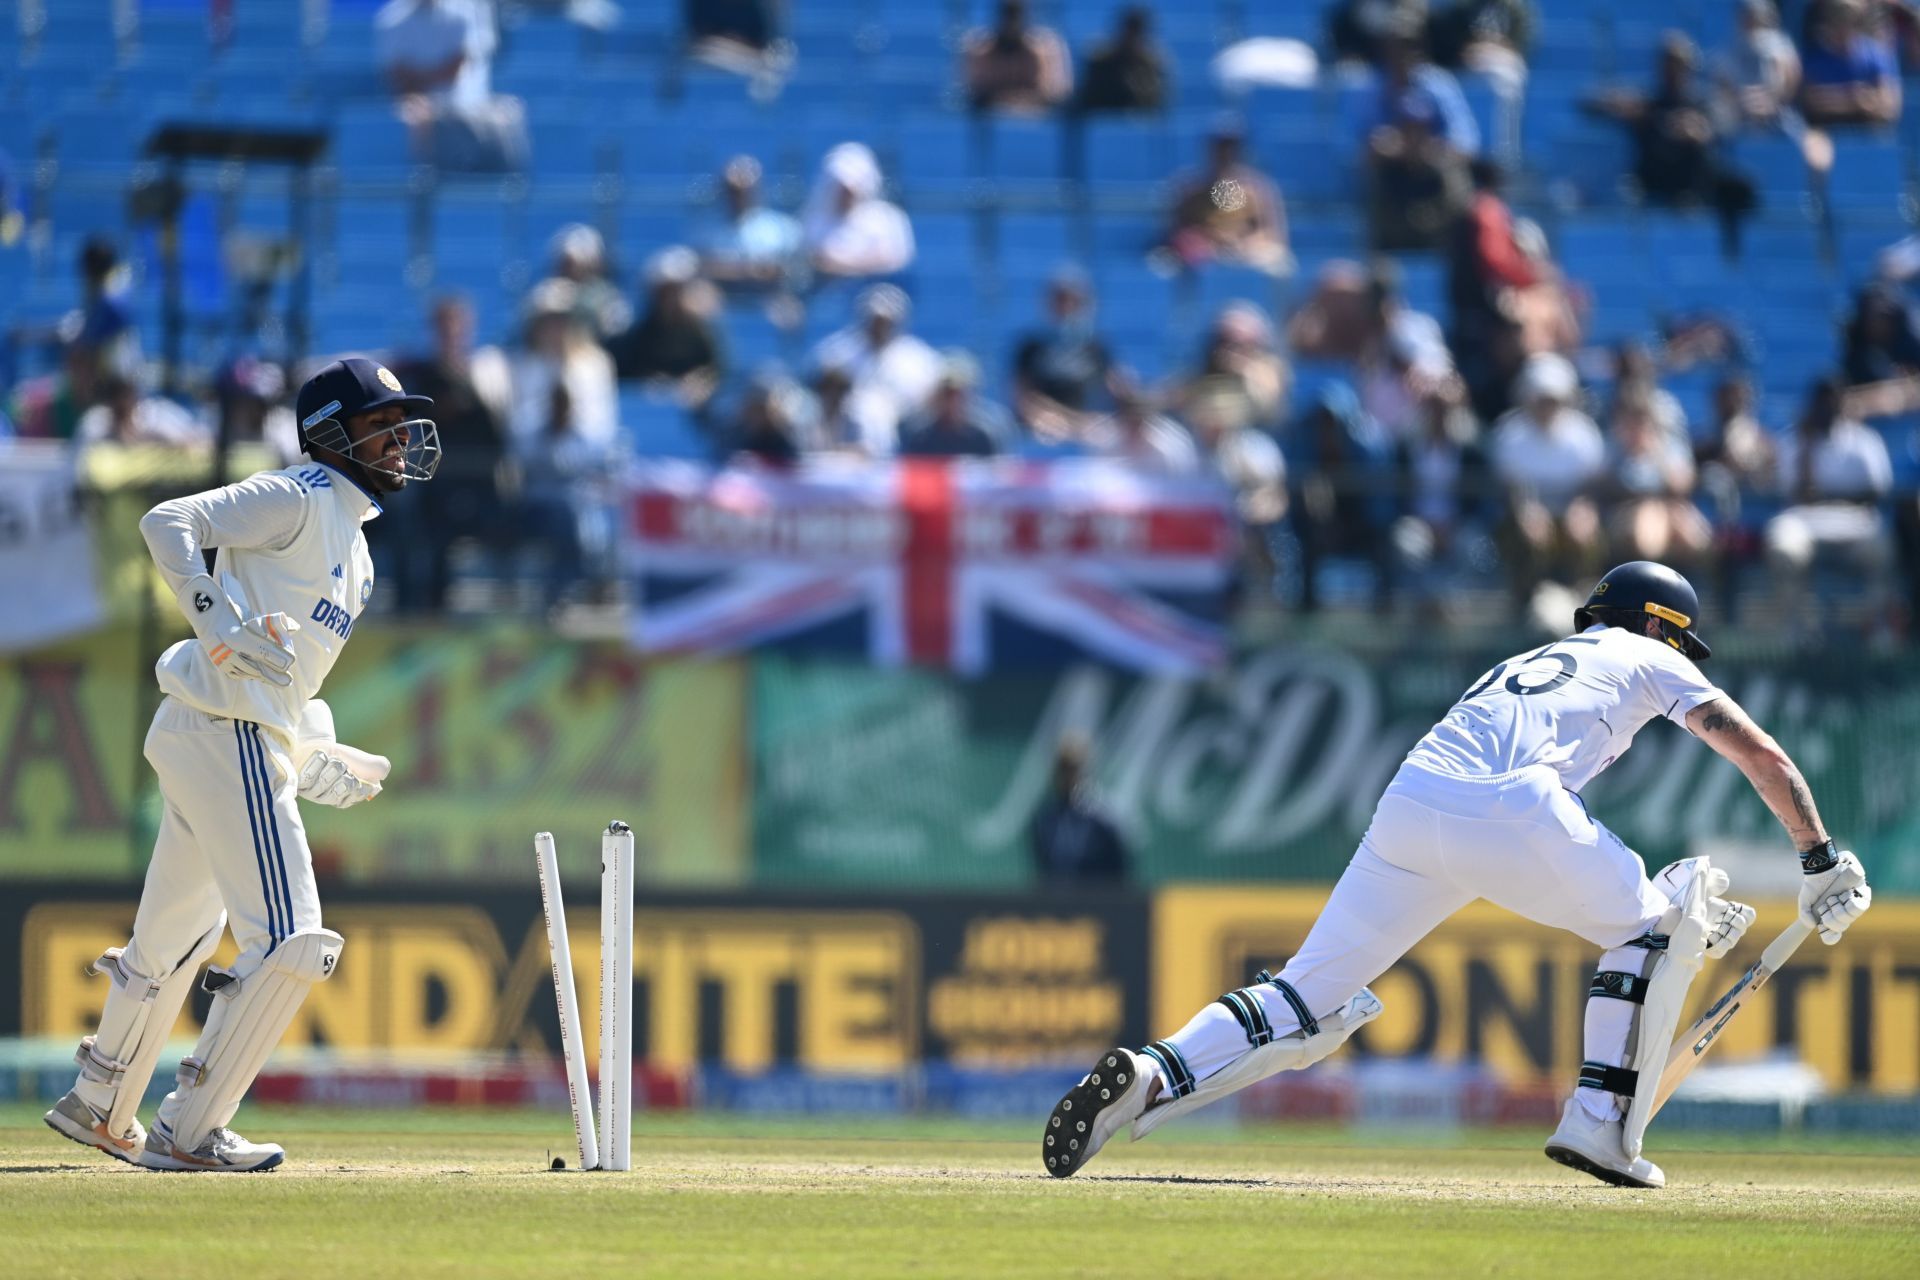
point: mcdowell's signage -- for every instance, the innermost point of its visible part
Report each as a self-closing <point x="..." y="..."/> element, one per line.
<point x="1270" y="770"/>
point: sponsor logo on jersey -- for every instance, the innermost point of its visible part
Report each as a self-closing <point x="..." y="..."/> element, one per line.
<point x="337" y="573"/>
<point x="315" y="478"/>
<point x="332" y="617"/>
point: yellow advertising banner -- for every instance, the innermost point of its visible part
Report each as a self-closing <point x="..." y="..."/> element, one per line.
<point x="746" y="982"/>
<point x="494" y="732"/>
<point x="1489" y="986"/>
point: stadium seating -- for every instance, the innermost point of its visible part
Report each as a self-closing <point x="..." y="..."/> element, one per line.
<point x="625" y="137"/>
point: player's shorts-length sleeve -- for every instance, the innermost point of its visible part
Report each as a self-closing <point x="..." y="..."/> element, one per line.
<point x="1674" y="685"/>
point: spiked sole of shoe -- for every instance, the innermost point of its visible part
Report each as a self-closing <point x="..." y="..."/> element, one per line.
<point x="1069" y="1139"/>
<point x="1574" y="1160"/>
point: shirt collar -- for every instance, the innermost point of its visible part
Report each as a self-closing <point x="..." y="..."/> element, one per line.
<point x="372" y="507"/>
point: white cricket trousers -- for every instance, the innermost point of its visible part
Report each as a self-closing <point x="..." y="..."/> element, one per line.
<point x="230" y="836"/>
<point x="1437" y="842"/>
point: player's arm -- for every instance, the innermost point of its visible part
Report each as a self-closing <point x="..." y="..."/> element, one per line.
<point x="1729" y="730"/>
<point x="1833" y="890"/>
<point x="265" y="512"/>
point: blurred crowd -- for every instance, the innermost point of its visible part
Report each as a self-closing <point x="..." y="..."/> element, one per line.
<point x="1487" y="441"/>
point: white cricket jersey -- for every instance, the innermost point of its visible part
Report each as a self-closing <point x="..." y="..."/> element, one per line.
<point x="1573" y="705"/>
<point x="288" y="542"/>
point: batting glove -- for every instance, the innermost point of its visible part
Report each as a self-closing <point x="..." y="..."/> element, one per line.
<point x="1833" y="892"/>
<point x="244" y="648"/>
<point x="328" y="777"/>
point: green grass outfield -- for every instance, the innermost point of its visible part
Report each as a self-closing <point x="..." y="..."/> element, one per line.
<point x="464" y="1193"/>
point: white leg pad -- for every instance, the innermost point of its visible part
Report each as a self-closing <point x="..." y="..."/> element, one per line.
<point x="250" y="1014"/>
<point x="1686" y="927"/>
<point x="118" y="1060"/>
<point x="1288" y="1053"/>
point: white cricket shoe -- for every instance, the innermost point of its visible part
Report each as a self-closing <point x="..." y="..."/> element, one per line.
<point x="224" y="1151"/>
<point x="1107" y="1100"/>
<point x="1598" y="1147"/>
<point x="74" y="1117"/>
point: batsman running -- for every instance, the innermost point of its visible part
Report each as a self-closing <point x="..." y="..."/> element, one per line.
<point x="1487" y="805"/>
<point x="238" y="735"/>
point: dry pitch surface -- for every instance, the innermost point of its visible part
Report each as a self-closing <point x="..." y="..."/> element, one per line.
<point x="463" y="1193"/>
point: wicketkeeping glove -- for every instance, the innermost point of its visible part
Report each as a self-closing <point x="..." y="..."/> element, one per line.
<point x="341" y="776"/>
<point x="244" y="648"/>
<point x="1833" y="892"/>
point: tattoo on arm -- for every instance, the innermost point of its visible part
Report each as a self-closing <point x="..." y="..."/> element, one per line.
<point x="1732" y="733"/>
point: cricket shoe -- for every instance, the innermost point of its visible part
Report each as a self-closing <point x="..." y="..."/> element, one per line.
<point x="223" y="1151"/>
<point x="1598" y="1147"/>
<point x="1110" y="1098"/>
<point x="73" y="1117"/>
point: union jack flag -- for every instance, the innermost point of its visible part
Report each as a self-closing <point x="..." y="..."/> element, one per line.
<point x="967" y="565"/>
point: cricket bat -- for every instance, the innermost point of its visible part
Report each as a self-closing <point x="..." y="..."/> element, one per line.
<point x="1692" y="1044"/>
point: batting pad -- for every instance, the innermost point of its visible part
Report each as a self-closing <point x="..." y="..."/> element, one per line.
<point x="138" y="1017"/>
<point x="1288" y="1053"/>
<point x="249" y="1016"/>
<point x="1673" y="973"/>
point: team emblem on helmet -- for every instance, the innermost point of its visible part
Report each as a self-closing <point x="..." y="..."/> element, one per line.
<point x="387" y="379"/>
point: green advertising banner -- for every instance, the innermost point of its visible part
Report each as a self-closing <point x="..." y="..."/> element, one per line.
<point x="494" y="734"/>
<point x="1267" y="771"/>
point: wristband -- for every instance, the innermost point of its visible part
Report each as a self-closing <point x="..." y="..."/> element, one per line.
<point x="1820" y="858"/>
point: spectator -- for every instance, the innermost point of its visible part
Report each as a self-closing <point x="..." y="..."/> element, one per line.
<point x="557" y="350"/>
<point x="250" y="399"/>
<point x="1834" y="472"/>
<point x="1402" y="356"/>
<point x="1649" y="484"/>
<point x="1354" y="311"/>
<point x="750" y="247"/>
<point x="1636" y="378"/>
<point x="1674" y="137"/>
<point x="674" y="346"/>
<point x="1129" y="72"/>
<point x="1071" y="839"/>
<point x="1490" y="37"/>
<point x="1343" y="499"/>
<point x="437" y="56"/>
<point x="1246" y="459"/>
<point x="50" y="407"/>
<point x="736" y="34"/>
<point x="769" y="428"/>
<point x="890" y="373"/>
<point x="564" y="507"/>
<point x="848" y="229"/>
<point x="835" y="430"/>
<point x="1850" y="75"/>
<point x="1359" y="29"/>
<point x="1442" y="487"/>
<point x="106" y="316"/>
<point x="1419" y="143"/>
<point x="1240" y="348"/>
<point x="1881" y="344"/>
<point x="1016" y="67"/>
<point x="1487" y="275"/>
<point x="1761" y="71"/>
<point x="1547" y="454"/>
<point x="1061" y="372"/>
<point x="125" y="416"/>
<point x="1230" y="212"/>
<point x="470" y="392"/>
<point x="1141" y="436"/>
<point x="1738" y="455"/>
<point x="580" y="256"/>
<point x="954" y="424"/>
